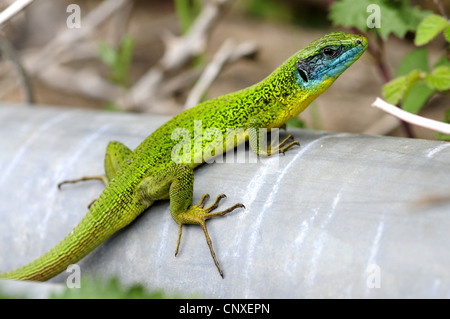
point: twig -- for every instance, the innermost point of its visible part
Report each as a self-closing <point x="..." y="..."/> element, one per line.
<point x="81" y="81"/>
<point x="377" y="52"/>
<point x="180" y="49"/>
<point x="120" y="22"/>
<point x="441" y="8"/>
<point x="151" y="89"/>
<point x="65" y="39"/>
<point x="13" y="9"/>
<point x="7" y="49"/>
<point x="412" y="118"/>
<point x="179" y="82"/>
<point x="144" y="93"/>
<point x="45" y="64"/>
<point x="228" y="52"/>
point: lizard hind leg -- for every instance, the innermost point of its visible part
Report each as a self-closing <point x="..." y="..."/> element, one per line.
<point x="176" y="183"/>
<point x="101" y="178"/>
<point x="116" y="155"/>
<point x="198" y="215"/>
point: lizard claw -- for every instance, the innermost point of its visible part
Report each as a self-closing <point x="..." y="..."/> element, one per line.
<point x="198" y="215"/>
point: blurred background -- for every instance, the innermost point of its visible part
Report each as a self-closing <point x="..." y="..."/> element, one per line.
<point x="162" y="56"/>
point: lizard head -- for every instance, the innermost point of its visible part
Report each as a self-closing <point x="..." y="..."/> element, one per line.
<point x="320" y="63"/>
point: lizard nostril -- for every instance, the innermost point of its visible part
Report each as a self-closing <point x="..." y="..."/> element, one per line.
<point x="359" y="42"/>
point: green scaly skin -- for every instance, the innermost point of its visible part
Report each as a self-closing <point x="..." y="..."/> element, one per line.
<point x="136" y="179"/>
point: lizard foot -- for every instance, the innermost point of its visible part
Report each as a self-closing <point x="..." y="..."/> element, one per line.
<point x="102" y="178"/>
<point x="198" y="215"/>
<point x="283" y="146"/>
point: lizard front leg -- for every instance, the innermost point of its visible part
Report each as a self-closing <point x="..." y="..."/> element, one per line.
<point x="255" y="139"/>
<point x="176" y="183"/>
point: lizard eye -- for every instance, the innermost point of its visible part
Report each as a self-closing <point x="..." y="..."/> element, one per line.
<point x="329" y="52"/>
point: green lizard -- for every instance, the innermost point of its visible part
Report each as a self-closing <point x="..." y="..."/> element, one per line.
<point x="136" y="179"/>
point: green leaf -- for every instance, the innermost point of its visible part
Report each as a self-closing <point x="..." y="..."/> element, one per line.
<point x="429" y="28"/>
<point x="416" y="59"/>
<point x="108" y="289"/>
<point x="393" y="90"/>
<point x="392" y="22"/>
<point x="396" y="17"/>
<point x="350" y="13"/>
<point x="399" y="88"/>
<point x="295" y="122"/>
<point x="271" y="10"/>
<point x="186" y="12"/>
<point x="417" y="98"/>
<point x="111" y="106"/>
<point x="439" y="78"/>
<point x="447" y="33"/>
<point x="413" y="16"/>
<point x="126" y="49"/>
<point x="441" y="136"/>
<point x="123" y="63"/>
<point x="118" y="61"/>
<point x="412" y="79"/>
<point x="107" y="54"/>
<point x="442" y="61"/>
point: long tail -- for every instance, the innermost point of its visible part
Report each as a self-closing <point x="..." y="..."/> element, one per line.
<point x="98" y="225"/>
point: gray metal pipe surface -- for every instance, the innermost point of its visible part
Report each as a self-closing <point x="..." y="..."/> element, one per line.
<point x="340" y="216"/>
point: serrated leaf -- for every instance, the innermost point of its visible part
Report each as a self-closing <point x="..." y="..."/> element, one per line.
<point x="392" y="22"/>
<point x="439" y="78"/>
<point x="396" y="17"/>
<point x="413" y="16"/>
<point x="417" y="98"/>
<point x="350" y="13"/>
<point x="416" y="59"/>
<point x="429" y="28"/>
<point x="411" y="80"/>
<point x="399" y="88"/>
<point x="393" y="90"/>
<point x="447" y="33"/>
